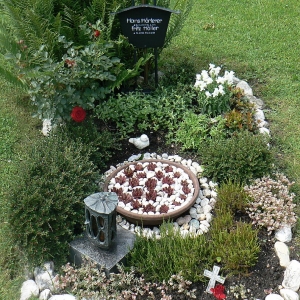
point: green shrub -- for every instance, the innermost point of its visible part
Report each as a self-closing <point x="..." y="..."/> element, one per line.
<point x="162" y="110"/>
<point x="158" y="259"/>
<point x="237" y="248"/>
<point x="101" y="143"/>
<point x="82" y="77"/>
<point x="195" y="129"/>
<point x="241" y="158"/>
<point x="46" y="203"/>
<point x="235" y="244"/>
<point x="232" y="197"/>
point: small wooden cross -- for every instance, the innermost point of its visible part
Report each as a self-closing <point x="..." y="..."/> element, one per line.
<point x="213" y="278"/>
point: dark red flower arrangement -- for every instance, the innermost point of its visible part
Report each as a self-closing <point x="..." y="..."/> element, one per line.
<point x="78" y="114"/>
<point x="218" y="291"/>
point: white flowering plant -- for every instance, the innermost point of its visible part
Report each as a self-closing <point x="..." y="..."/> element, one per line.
<point x="214" y="91"/>
<point x="272" y="204"/>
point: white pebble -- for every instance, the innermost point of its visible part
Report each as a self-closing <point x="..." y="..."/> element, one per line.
<point x="207" y="209"/>
<point x="203" y="180"/>
<point x="121" y="204"/>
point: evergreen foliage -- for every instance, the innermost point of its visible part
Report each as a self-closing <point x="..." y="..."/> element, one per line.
<point x="242" y="157"/>
<point x="47" y="208"/>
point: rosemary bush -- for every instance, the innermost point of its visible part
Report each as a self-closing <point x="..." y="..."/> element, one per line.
<point x="232" y="197"/>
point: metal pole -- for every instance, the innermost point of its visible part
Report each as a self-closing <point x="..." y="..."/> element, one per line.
<point x="156" y="69"/>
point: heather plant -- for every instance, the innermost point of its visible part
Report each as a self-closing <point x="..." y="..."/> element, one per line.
<point x="232" y="197"/>
<point x="237" y="247"/>
<point x="271" y="204"/>
<point x="235" y="244"/>
<point x="242" y="157"/>
<point x="170" y="251"/>
<point x="91" y="282"/>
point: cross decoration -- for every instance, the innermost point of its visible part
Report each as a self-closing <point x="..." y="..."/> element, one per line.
<point x="213" y="278"/>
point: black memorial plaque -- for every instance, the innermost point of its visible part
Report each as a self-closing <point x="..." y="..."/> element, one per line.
<point x="145" y="26"/>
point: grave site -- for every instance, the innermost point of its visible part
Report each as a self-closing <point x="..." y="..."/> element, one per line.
<point x="149" y="150"/>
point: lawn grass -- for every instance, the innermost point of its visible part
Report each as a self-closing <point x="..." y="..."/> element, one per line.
<point x="16" y="132"/>
<point x="257" y="39"/>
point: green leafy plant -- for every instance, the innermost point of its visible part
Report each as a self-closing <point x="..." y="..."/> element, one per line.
<point x="46" y="206"/>
<point x="161" y="110"/>
<point x="82" y="78"/>
<point x="50" y="19"/>
<point x="241" y="158"/>
<point x="149" y="255"/>
<point x="195" y="129"/>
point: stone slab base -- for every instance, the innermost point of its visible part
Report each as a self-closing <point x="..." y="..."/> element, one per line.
<point x="107" y="259"/>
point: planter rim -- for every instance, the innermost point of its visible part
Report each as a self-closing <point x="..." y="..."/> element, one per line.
<point x="143" y="219"/>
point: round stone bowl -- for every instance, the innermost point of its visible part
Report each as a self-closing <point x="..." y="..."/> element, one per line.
<point x="144" y="219"/>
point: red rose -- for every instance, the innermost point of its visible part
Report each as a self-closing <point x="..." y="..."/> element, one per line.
<point x="218" y="291"/>
<point x="78" y="114"/>
<point x="96" y="33"/>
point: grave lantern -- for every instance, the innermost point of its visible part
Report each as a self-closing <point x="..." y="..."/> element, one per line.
<point x="100" y="218"/>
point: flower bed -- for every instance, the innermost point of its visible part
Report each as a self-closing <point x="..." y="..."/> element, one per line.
<point x="151" y="191"/>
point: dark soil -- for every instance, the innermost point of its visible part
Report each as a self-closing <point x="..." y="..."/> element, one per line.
<point x="265" y="277"/>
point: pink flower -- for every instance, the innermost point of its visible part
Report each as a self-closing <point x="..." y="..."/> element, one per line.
<point x="78" y="114"/>
<point x="218" y="291"/>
